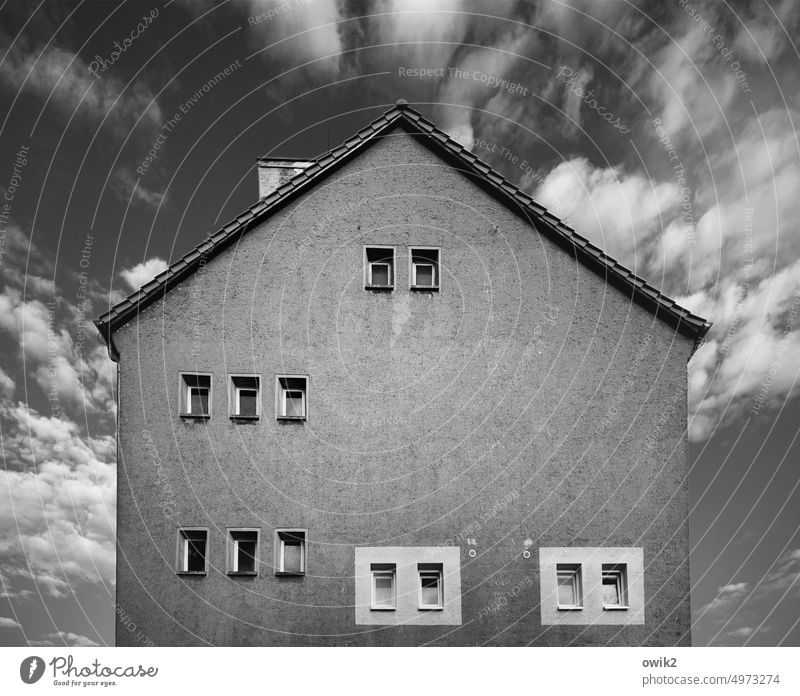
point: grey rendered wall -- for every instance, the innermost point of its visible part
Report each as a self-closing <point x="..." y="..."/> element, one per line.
<point x="525" y="404"/>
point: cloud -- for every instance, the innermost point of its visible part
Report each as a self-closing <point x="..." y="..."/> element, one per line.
<point x="143" y="272"/>
<point x="63" y="79"/>
<point x="71" y="639"/>
<point x="8" y="623"/>
<point x="73" y="376"/>
<point x="124" y="182"/>
<point x="623" y="213"/>
<point x="728" y="598"/>
<point x="305" y="31"/>
<point x="57" y="502"/>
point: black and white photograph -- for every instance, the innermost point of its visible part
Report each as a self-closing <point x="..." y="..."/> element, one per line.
<point x="404" y="324"/>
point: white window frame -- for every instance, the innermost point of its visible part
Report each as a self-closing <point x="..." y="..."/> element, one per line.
<point x="368" y="284"/>
<point x="383" y="572"/>
<point x="185" y="392"/>
<point x="575" y="572"/>
<point x="280" y="549"/>
<point x="431" y="572"/>
<point x="233" y="551"/>
<point x="182" y="561"/>
<point x="437" y="268"/>
<point x="619" y="573"/>
<point x="233" y="396"/>
<point x="280" y="397"/>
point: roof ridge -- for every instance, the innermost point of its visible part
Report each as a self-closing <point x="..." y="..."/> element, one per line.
<point x="121" y="312"/>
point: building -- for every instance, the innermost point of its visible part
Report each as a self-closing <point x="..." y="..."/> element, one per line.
<point x="396" y="402"/>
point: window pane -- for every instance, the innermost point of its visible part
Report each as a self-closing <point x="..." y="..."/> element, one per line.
<point x="566" y="590"/>
<point x="383" y="590"/>
<point x="611" y="590"/>
<point x="430" y="590"/>
<point x="199" y="400"/>
<point x="424" y="274"/>
<point x="294" y="404"/>
<point x="248" y="399"/>
<point x="380" y="274"/>
<point x="196" y="553"/>
<point x="247" y="556"/>
<point x="292" y="556"/>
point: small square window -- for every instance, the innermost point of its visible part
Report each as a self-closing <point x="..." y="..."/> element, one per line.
<point x="425" y="268"/>
<point x="384" y="591"/>
<point x="379" y="267"/>
<point x="615" y="586"/>
<point x="192" y="551"/>
<point x="242" y="552"/>
<point x="290" y="550"/>
<point x="291" y="395"/>
<point x="431" y="588"/>
<point x="570" y="594"/>
<point x="195" y="395"/>
<point x="245" y="396"/>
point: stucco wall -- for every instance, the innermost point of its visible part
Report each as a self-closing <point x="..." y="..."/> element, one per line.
<point x="525" y="404"/>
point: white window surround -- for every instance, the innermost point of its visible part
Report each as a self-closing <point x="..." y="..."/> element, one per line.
<point x="291" y="537"/>
<point x="291" y="388"/>
<point x="407" y="562"/>
<point x="190" y="383"/>
<point x="238" y="383"/>
<point x="191" y="536"/>
<point x="381" y="573"/>
<point x="595" y="563"/>
<point x="379" y="260"/>
<point x="235" y="536"/>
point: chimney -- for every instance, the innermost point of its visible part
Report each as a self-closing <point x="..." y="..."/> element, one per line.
<point x="274" y="172"/>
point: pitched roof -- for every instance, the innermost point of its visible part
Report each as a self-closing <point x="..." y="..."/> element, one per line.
<point x="404" y="116"/>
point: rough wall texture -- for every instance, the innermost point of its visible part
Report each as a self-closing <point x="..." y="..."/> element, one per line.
<point x="525" y="404"/>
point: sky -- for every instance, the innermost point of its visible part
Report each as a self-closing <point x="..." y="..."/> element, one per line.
<point x="662" y="131"/>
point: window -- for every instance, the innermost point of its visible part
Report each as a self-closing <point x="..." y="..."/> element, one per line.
<point x="195" y="395"/>
<point x="615" y="586"/>
<point x="379" y="267"/>
<point x="192" y="551"/>
<point x="291" y="397"/>
<point x="384" y="594"/>
<point x="425" y="268"/>
<point x="242" y="552"/>
<point x="431" y="592"/>
<point x="245" y="396"/>
<point x="290" y="550"/>
<point x="569" y="586"/>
